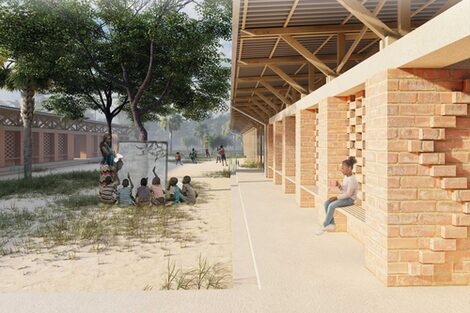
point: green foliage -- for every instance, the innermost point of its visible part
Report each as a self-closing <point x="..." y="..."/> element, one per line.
<point x="189" y="142"/>
<point x="219" y="140"/>
<point x="69" y="106"/>
<point x="251" y="164"/>
<point x="172" y="122"/>
<point x="64" y="183"/>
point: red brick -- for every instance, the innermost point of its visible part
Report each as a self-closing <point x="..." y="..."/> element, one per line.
<point x="432" y="158"/>
<point x="440" y="244"/>
<point x="431" y="257"/>
<point x="421" y="182"/>
<point x="420" y="146"/>
<point x="461" y="195"/>
<point x="460" y="97"/>
<point x="453" y="232"/>
<point x="460" y="220"/>
<point x="454" y="183"/>
<point x="443" y="121"/>
<point x="454" y="109"/>
<point x="432" y="133"/>
<point x="443" y="170"/>
<point x="417" y="231"/>
<point x="466" y="208"/>
<point x="418" y="206"/>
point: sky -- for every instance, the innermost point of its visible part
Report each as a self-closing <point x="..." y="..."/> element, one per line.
<point x="12" y="98"/>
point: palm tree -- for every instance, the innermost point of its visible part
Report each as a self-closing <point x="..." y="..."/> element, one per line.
<point x="171" y="123"/>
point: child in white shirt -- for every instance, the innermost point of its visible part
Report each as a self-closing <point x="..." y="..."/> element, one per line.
<point x="347" y="196"/>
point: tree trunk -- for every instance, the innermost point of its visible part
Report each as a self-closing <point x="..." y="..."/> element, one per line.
<point x="171" y="141"/>
<point x="27" y="116"/>
<point x="109" y="121"/>
<point x="138" y="121"/>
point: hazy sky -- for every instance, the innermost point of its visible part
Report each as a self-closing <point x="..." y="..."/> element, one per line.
<point x="6" y="96"/>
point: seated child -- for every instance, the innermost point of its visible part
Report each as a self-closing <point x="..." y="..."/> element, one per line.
<point x="108" y="191"/>
<point x="158" y="196"/>
<point x="143" y="194"/>
<point x="174" y="192"/>
<point x="189" y="195"/>
<point x="125" y="193"/>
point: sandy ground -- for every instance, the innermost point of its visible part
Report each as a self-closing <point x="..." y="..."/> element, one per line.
<point x="134" y="267"/>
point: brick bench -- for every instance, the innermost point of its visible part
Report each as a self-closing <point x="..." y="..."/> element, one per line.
<point x="355" y="220"/>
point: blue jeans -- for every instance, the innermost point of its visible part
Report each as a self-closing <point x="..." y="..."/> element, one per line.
<point x="330" y="207"/>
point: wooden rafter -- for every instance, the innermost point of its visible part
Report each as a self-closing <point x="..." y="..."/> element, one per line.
<point x="268" y="78"/>
<point x="292" y="60"/>
<point x="404" y="16"/>
<point x="421" y="8"/>
<point x="267" y="101"/>
<point x="356" y="42"/>
<point x="287" y="78"/>
<point x="251" y="90"/>
<point x="264" y="108"/>
<point x="275" y="92"/>
<point x="368" y="19"/>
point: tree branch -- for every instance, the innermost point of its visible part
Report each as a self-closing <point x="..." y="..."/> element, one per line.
<point x="148" y="77"/>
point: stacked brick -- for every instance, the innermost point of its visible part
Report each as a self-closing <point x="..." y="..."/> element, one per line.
<point x="277" y="149"/>
<point x="288" y="154"/>
<point x="356" y="143"/>
<point x="428" y="135"/>
<point x="269" y="151"/>
<point x="305" y="152"/>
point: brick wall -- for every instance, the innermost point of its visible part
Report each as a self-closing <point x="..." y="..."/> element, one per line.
<point x="288" y="154"/>
<point x="418" y="223"/>
<point x="250" y="141"/>
<point x="332" y="150"/>
<point x="269" y="152"/>
<point x="305" y="152"/>
<point x="277" y="147"/>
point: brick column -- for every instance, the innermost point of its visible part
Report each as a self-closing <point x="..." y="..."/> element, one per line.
<point x="56" y="146"/>
<point x="40" y="147"/>
<point x="269" y="151"/>
<point x="21" y="143"/>
<point x="417" y="191"/>
<point x="305" y="151"/>
<point x="332" y="148"/>
<point x="2" y="147"/>
<point x="277" y="143"/>
<point x="288" y="154"/>
<point x="89" y="146"/>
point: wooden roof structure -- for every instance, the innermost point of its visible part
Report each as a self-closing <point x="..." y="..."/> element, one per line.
<point x="284" y="49"/>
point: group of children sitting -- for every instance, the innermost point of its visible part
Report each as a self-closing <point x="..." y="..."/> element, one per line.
<point x="155" y="195"/>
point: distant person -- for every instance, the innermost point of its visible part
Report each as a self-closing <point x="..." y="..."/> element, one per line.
<point x="347" y="196"/>
<point x="106" y="148"/>
<point x="208" y="155"/>
<point x="188" y="194"/>
<point x="124" y="194"/>
<point x="107" y="192"/>
<point x="174" y="192"/>
<point x="193" y="155"/>
<point x="223" y="158"/>
<point x="217" y="159"/>
<point x="158" y="195"/>
<point x="143" y="194"/>
<point x="178" y="158"/>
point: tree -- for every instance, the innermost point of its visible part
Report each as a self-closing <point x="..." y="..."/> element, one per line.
<point x="171" y="123"/>
<point x="189" y="142"/>
<point x="32" y="42"/>
<point x="202" y="132"/>
<point x="219" y="140"/>
<point x="166" y="59"/>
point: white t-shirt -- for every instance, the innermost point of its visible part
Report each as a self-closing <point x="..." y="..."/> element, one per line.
<point x="348" y="188"/>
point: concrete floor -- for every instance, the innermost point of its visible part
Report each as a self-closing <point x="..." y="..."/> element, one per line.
<point x="279" y="267"/>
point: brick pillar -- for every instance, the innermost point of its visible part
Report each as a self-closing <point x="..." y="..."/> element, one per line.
<point x="269" y="151"/>
<point x="305" y="151"/>
<point x="277" y="143"/>
<point x="2" y="147"/>
<point x="288" y="154"/>
<point x="70" y="146"/>
<point x="332" y="150"/>
<point x="21" y="143"/>
<point x="418" y="227"/>
<point x="89" y="146"/>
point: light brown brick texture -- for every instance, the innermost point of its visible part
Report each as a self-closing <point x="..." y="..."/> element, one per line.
<point x="288" y="154"/>
<point x="305" y="159"/>
<point x="269" y="151"/>
<point x="277" y="147"/>
<point x="426" y="139"/>
<point x="332" y="150"/>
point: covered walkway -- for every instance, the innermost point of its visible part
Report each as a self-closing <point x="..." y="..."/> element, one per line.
<point x="297" y="271"/>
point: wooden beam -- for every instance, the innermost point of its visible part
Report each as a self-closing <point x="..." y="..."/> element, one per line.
<point x="287" y="78"/>
<point x="300" y="30"/>
<point x="275" y="92"/>
<point x="263" y="107"/>
<point x="356" y="42"/>
<point x="340" y="47"/>
<point x="268" y="78"/>
<point x="267" y="101"/>
<point x="421" y="8"/>
<point x="368" y="19"/>
<point x="311" y="78"/>
<point x="404" y="17"/>
<point x="292" y="60"/>
<point x="309" y="56"/>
